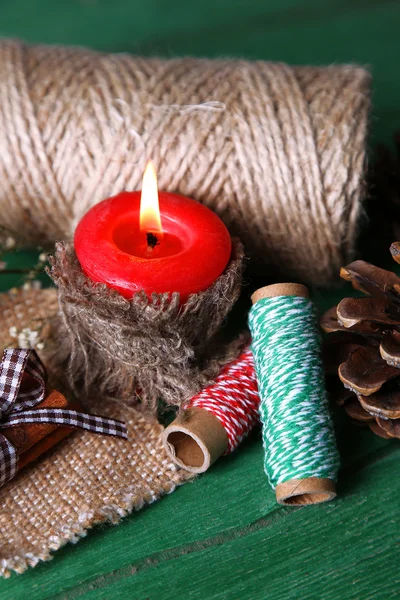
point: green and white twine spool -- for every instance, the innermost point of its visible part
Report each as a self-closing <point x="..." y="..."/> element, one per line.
<point x="299" y="444"/>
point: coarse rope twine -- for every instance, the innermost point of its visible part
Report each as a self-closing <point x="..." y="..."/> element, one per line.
<point x="298" y="435"/>
<point x="277" y="151"/>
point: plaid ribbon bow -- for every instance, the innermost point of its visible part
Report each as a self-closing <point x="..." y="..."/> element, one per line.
<point x="16" y="402"/>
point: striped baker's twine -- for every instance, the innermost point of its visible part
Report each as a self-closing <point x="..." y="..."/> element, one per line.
<point x="298" y="435"/>
<point x="233" y="399"/>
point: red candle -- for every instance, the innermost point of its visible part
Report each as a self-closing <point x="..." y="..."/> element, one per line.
<point x="156" y="242"/>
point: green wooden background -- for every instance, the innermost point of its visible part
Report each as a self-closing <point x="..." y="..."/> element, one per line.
<point x="223" y="537"/>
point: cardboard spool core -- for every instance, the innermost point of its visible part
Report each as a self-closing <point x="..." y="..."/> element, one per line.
<point x="312" y="490"/>
<point x="280" y="289"/>
<point x="300" y="492"/>
<point x="195" y="440"/>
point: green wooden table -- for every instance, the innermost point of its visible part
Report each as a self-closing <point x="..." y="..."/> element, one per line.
<point x="223" y="536"/>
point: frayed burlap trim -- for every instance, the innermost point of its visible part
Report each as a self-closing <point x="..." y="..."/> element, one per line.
<point x="154" y="347"/>
<point x="84" y="480"/>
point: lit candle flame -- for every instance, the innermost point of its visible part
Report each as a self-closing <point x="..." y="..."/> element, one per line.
<point x="150" y="218"/>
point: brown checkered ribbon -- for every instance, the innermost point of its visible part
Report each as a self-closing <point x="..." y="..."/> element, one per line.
<point x="18" y="406"/>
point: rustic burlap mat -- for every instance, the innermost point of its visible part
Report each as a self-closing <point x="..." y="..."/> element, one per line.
<point x="86" y="479"/>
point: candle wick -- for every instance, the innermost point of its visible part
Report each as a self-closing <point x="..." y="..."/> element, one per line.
<point x="152" y="240"/>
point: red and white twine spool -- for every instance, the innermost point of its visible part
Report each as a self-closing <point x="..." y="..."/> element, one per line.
<point x="233" y="399"/>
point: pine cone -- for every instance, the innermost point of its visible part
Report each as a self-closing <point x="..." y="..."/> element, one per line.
<point x="364" y="348"/>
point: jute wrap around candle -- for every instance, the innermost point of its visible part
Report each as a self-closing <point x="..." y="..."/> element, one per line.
<point x="142" y="348"/>
<point x="277" y="151"/>
<point x="301" y="459"/>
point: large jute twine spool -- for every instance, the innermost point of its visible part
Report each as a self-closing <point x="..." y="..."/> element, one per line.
<point x="277" y="151"/>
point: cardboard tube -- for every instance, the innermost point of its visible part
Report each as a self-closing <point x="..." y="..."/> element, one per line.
<point x="312" y="490"/>
<point x="300" y="492"/>
<point x="195" y="439"/>
<point x="280" y="289"/>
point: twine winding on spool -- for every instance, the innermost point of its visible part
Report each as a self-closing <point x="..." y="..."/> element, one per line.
<point x="278" y="152"/>
<point x="301" y="459"/>
<point x="217" y="419"/>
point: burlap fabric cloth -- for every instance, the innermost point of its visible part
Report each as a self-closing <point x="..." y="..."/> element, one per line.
<point x="84" y="480"/>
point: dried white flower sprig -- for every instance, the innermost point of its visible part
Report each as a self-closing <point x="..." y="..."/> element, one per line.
<point x="27" y="338"/>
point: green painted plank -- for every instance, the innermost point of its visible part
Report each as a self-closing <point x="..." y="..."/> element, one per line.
<point x="104" y="24"/>
<point x="230" y="497"/>
<point x="347" y="549"/>
<point x="25" y="260"/>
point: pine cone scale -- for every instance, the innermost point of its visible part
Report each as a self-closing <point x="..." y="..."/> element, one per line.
<point x="395" y="251"/>
<point x="384" y="404"/>
<point x="375" y="428"/>
<point x="390" y="427"/>
<point x="354" y="409"/>
<point x="368" y="278"/>
<point x="365" y="371"/>
<point x="331" y="324"/>
<point x="338" y="347"/>
<point x="390" y="348"/>
<point x="352" y="311"/>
